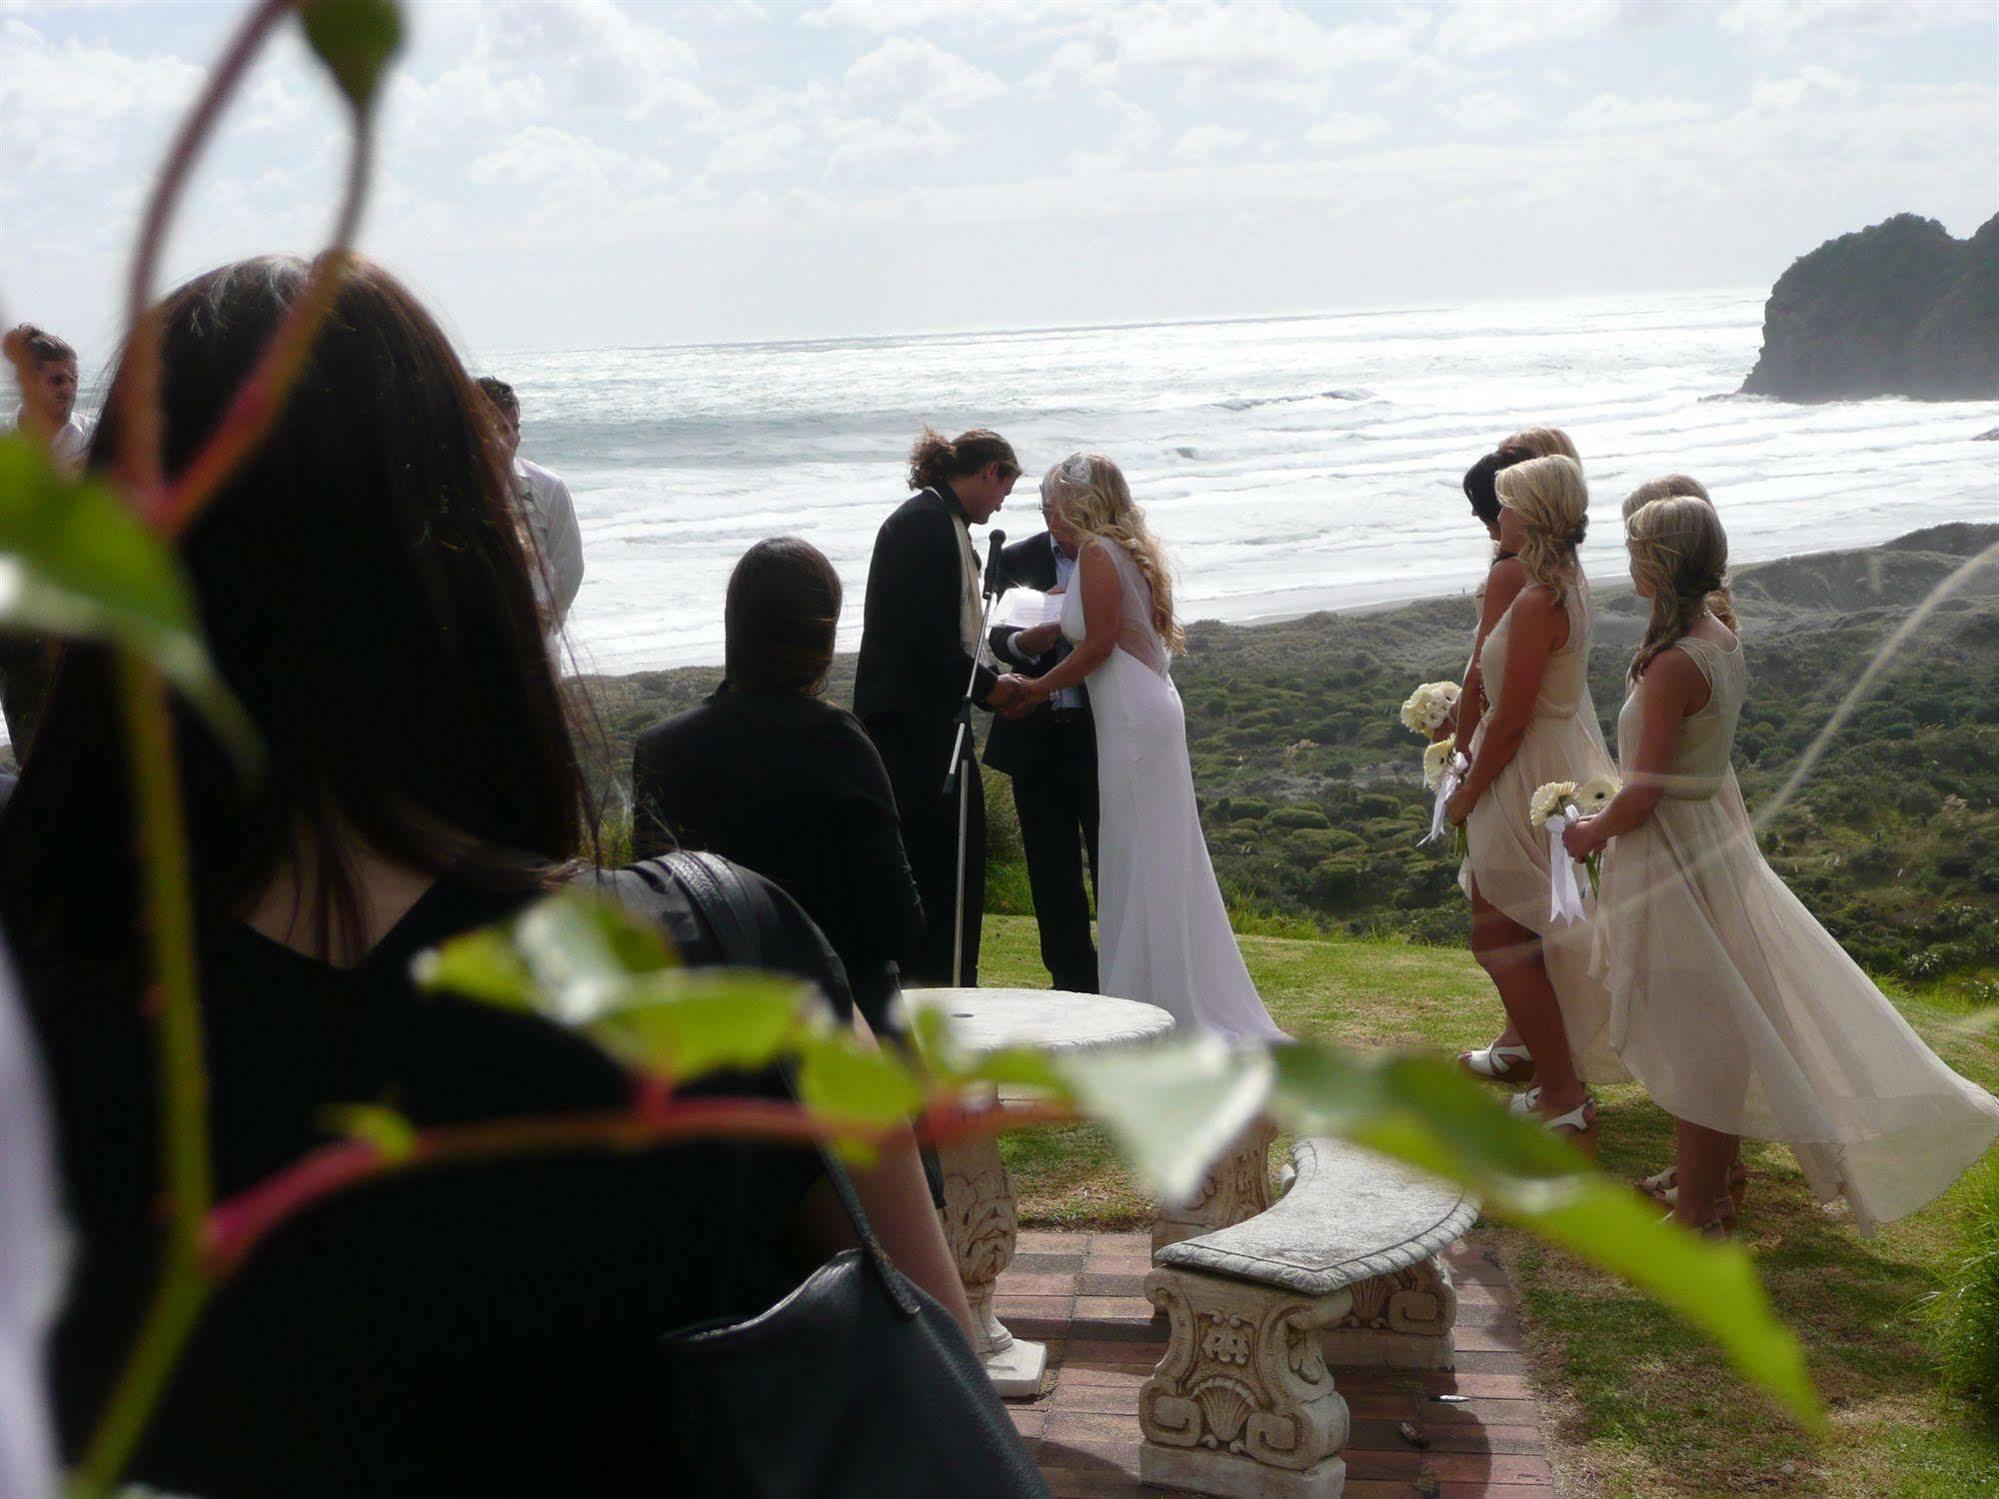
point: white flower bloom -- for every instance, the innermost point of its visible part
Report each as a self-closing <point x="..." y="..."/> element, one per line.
<point x="1425" y="709"/>
<point x="1548" y="800"/>
<point x="1596" y="793"/>
<point x="1436" y="760"/>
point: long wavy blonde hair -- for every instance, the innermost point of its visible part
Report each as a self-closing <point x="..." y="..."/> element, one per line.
<point x="1680" y="553"/>
<point x="1720" y="603"/>
<point x="1545" y="442"/>
<point x="1089" y="493"/>
<point x="1552" y="501"/>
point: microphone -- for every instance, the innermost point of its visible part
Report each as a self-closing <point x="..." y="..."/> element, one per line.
<point x="995" y="565"/>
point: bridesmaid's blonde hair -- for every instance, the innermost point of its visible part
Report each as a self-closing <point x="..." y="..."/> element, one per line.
<point x="1720" y="603"/>
<point x="1545" y="442"/>
<point x="1552" y="501"/>
<point x="1680" y="552"/>
<point x="1089" y="492"/>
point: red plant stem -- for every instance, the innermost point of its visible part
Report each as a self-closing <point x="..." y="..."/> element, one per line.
<point x="260" y="399"/>
<point x="237" y="1226"/>
<point x="139" y="413"/>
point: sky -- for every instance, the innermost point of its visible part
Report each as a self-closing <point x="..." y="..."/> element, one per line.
<point x="582" y="173"/>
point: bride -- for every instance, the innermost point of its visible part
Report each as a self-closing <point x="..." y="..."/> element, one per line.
<point x="1163" y="929"/>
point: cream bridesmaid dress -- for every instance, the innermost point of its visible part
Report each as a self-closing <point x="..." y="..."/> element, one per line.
<point x="1508" y="857"/>
<point x="1738" y="1011"/>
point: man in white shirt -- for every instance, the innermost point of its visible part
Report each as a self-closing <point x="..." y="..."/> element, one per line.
<point x="45" y="367"/>
<point x="549" y="512"/>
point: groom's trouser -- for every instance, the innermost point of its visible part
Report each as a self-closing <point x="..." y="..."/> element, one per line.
<point x="917" y="752"/>
<point x="1056" y="797"/>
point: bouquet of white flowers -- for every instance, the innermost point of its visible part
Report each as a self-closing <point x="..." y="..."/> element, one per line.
<point x="1428" y="708"/>
<point x="1443" y="769"/>
<point x="1556" y="807"/>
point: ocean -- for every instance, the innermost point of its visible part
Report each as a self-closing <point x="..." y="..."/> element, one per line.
<point x="1291" y="464"/>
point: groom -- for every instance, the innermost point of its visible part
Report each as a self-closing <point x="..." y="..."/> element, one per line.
<point x="1051" y="755"/>
<point x="919" y="637"/>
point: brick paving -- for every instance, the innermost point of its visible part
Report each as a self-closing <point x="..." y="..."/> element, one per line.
<point x="1081" y="1293"/>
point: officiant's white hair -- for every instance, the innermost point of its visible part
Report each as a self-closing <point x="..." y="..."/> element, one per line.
<point x="1089" y="491"/>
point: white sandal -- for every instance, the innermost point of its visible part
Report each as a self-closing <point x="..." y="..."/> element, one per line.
<point x="1499" y="1064"/>
<point x="1525" y="1103"/>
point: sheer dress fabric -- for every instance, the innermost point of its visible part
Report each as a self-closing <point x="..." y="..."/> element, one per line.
<point x="1738" y="1011"/>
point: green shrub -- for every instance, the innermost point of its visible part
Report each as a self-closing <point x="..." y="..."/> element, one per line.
<point x="1299" y="817"/>
<point x="1964" y="1315"/>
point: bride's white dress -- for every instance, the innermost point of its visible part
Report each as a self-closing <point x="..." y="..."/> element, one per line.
<point x="1163" y="932"/>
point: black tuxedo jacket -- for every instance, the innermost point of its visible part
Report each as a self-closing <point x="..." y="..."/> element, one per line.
<point x="1019" y="745"/>
<point x="913" y="667"/>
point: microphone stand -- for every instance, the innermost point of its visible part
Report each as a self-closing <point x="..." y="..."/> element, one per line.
<point x="954" y="777"/>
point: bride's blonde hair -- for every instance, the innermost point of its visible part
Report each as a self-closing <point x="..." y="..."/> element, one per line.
<point x="1680" y="553"/>
<point x="1552" y="501"/>
<point x="1088" y="491"/>
<point x="1545" y="442"/>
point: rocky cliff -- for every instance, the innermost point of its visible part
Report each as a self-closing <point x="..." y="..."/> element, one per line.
<point x="1898" y="309"/>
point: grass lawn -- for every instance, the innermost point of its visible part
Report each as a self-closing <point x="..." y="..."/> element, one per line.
<point x="1643" y="1405"/>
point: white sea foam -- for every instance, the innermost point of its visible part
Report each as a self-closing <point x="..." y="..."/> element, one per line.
<point x="1291" y="464"/>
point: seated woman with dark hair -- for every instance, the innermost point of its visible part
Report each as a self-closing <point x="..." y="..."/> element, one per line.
<point x="773" y="776"/>
<point x="478" y="1329"/>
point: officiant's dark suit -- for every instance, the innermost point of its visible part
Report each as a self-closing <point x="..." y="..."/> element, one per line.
<point x="922" y="586"/>
<point x="1051" y="756"/>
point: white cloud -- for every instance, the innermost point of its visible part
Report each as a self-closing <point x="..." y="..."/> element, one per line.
<point x="1478" y="28"/>
<point x="1781" y="23"/>
<point x="913" y="70"/>
<point x="1613" y="112"/>
<point x="1810" y="84"/>
<point x="604" y="57"/>
<point x="1204" y="143"/>
<point x="1342" y="129"/>
<point x="1485" y="111"/>
<point x="859" y="141"/>
<point x="70" y="107"/>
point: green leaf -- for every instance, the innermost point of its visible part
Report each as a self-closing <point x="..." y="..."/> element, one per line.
<point x="692" y="1022"/>
<point x="1173" y="1108"/>
<point x="584" y="952"/>
<point x="355" y="39"/>
<point x="1420" y="1111"/>
<point x="846" y="1083"/>
<point x="481" y="965"/>
<point x="75" y="561"/>
<point x="384" y="1128"/>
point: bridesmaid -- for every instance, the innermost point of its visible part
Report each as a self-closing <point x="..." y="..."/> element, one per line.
<point x="1738" y="1012"/>
<point x="1541" y="727"/>
<point x="1506" y="1060"/>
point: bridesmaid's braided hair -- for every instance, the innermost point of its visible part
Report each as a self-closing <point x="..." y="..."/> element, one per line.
<point x="1090" y="492"/>
<point x="1720" y="603"/>
<point x="1552" y="501"/>
<point x="1680" y="552"/>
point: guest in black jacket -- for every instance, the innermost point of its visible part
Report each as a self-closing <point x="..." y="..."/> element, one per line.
<point x="921" y="629"/>
<point x="1051" y="756"/>
<point x="769" y="774"/>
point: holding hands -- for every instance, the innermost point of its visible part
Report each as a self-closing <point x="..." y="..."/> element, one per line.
<point x="1017" y="696"/>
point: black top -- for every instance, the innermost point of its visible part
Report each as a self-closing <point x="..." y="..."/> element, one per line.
<point x="463" y="1330"/>
<point x="1017" y="746"/>
<point x="791" y="787"/>
<point x="913" y="663"/>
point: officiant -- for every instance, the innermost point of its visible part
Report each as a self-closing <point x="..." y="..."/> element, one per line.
<point x="919" y="639"/>
<point x="1050" y="755"/>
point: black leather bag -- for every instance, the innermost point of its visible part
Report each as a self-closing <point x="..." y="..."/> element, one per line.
<point x="857" y="1385"/>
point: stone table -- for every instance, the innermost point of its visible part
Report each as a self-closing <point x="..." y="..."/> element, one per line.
<point x="981" y="1220"/>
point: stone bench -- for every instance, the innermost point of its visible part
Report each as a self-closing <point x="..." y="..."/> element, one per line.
<point x="1343" y="1269"/>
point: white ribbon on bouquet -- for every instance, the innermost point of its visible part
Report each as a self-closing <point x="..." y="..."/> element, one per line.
<point x="1453" y="778"/>
<point x="1565" y="895"/>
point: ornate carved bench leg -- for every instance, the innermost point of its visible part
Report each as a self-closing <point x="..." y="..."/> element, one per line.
<point x="1242" y="1405"/>
<point x="1403" y="1320"/>
<point x="981" y="1225"/>
<point x="1235" y="1190"/>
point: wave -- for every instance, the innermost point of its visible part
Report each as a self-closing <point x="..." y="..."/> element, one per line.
<point x="1250" y="403"/>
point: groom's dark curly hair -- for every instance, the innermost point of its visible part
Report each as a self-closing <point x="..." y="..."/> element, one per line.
<point x="936" y="458"/>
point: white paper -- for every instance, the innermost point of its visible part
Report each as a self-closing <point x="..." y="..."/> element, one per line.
<point x="1023" y="608"/>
